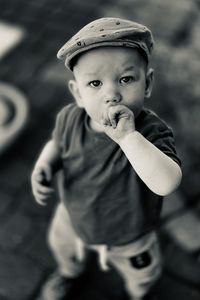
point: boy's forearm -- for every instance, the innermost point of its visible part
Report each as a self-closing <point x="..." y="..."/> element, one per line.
<point x="159" y="172"/>
<point x="50" y="154"/>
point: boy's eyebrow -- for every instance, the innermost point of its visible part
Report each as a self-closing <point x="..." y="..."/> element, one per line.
<point x="91" y="73"/>
<point x="129" y="68"/>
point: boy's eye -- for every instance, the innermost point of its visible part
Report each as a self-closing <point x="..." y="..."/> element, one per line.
<point x="126" y="79"/>
<point x="95" y="83"/>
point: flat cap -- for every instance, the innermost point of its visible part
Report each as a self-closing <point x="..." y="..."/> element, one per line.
<point x="107" y="32"/>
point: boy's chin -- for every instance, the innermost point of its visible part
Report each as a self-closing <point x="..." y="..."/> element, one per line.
<point x="96" y="126"/>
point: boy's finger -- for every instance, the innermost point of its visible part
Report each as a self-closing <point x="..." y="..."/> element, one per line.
<point x="41" y="199"/>
<point x="105" y="119"/>
<point x="43" y="174"/>
<point x="41" y="202"/>
<point x="44" y="190"/>
<point x="115" y="111"/>
<point x="43" y="195"/>
<point x="114" y="116"/>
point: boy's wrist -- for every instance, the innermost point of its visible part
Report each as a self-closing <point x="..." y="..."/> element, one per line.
<point x="132" y="136"/>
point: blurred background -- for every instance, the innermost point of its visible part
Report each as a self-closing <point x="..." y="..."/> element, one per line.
<point x="33" y="88"/>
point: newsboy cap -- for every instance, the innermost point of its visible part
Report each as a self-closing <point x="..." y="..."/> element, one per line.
<point x="107" y="32"/>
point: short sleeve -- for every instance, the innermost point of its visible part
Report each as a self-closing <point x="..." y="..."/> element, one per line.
<point x="158" y="133"/>
<point x="61" y="123"/>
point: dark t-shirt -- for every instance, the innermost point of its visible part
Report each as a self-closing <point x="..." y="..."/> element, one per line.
<point x="106" y="200"/>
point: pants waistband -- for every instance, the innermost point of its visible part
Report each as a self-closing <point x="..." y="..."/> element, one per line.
<point x="134" y="248"/>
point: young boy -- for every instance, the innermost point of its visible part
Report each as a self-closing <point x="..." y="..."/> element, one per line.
<point x="117" y="158"/>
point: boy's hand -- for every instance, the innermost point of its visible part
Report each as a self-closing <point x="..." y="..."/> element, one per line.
<point x="118" y="121"/>
<point x="41" y="179"/>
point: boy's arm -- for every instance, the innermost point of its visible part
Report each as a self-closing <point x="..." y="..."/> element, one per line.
<point x="50" y="155"/>
<point x="46" y="166"/>
<point x="158" y="171"/>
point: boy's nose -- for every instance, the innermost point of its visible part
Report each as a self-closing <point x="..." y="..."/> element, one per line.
<point x="112" y="97"/>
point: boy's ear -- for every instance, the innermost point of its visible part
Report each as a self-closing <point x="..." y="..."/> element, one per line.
<point x="149" y="82"/>
<point x="73" y="87"/>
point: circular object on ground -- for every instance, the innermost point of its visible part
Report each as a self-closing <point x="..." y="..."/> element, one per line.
<point x="13" y="114"/>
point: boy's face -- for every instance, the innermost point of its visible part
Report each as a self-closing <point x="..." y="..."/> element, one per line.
<point x="109" y="76"/>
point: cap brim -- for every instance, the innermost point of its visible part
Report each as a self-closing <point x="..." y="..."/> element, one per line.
<point x="125" y="43"/>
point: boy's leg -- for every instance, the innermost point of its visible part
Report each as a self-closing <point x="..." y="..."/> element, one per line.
<point x="62" y="241"/>
<point x="140" y="271"/>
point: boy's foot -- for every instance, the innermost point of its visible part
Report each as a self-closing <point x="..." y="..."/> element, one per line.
<point x="57" y="287"/>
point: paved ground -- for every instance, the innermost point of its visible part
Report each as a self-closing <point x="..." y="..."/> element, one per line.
<point x="25" y="261"/>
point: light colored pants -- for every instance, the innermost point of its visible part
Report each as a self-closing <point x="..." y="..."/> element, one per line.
<point x="63" y="242"/>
